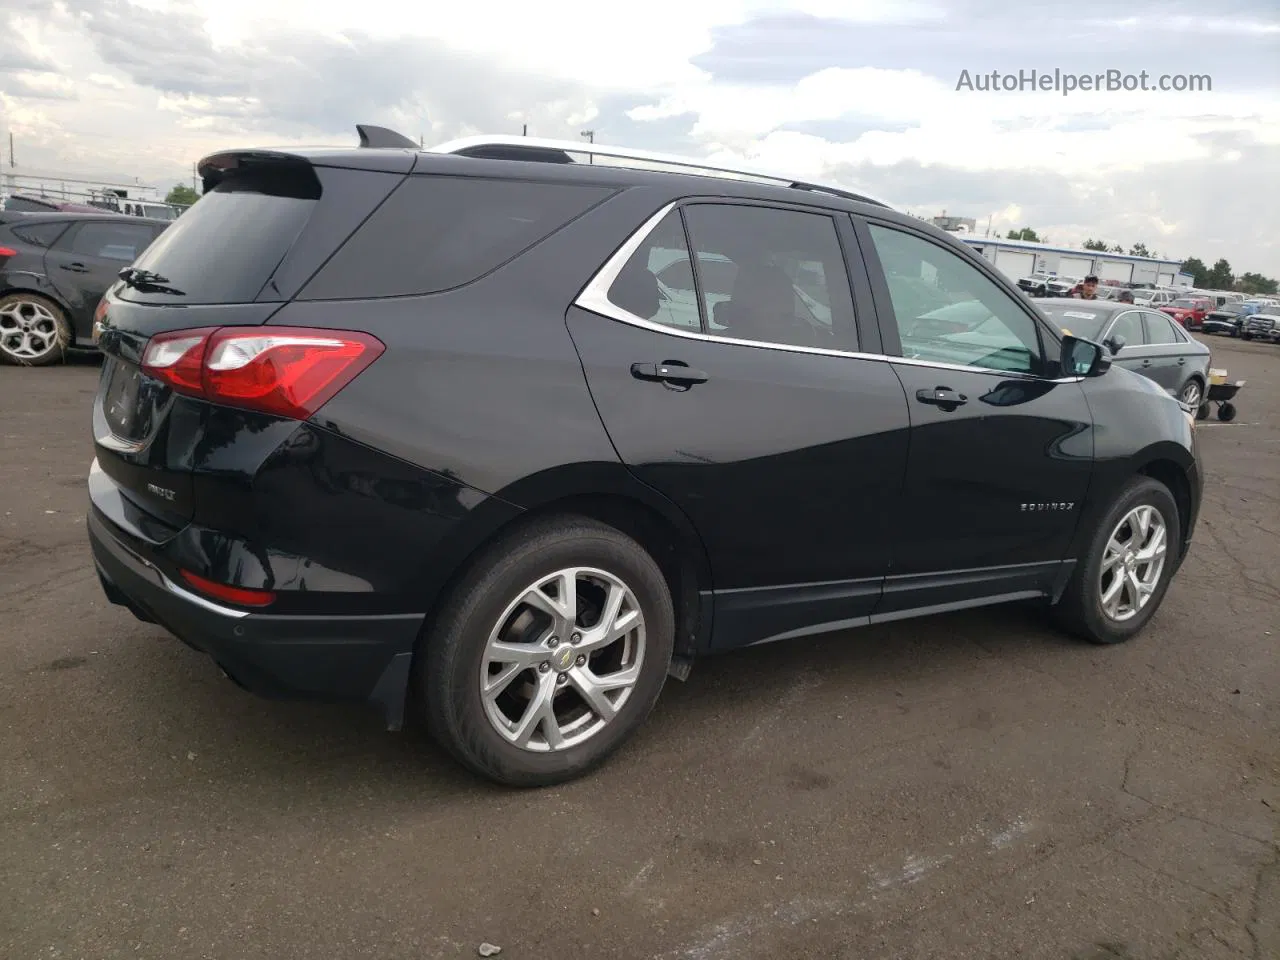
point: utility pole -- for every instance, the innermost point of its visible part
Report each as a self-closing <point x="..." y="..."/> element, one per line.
<point x="11" y="160"/>
<point x="524" y="130"/>
<point x="591" y="138"/>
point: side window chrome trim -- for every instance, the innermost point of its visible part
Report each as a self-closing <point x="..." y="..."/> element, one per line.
<point x="595" y="298"/>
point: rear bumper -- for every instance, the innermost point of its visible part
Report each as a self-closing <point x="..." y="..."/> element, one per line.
<point x="326" y="658"/>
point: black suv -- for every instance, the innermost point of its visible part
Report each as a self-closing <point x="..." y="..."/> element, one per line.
<point x="511" y="437"/>
<point x="54" y="269"/>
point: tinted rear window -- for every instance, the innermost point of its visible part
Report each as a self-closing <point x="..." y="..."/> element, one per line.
<point x="226" y="247"/>
<point x="434" y="233"/>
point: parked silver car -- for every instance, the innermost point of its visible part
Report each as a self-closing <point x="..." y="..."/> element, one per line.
<point x="1145" y="341"/>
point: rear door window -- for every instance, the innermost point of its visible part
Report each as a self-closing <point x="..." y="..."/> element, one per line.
<point x="110" y="241"/>
<point x="435" y="233"/>
<point x="772" y="275"/>
<point x="1159" y="329"/>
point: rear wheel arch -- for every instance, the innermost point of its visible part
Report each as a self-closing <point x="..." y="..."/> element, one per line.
<point x="48" y="296"/>
<point x="673" y="546"/>
<point x="607" y="493"/>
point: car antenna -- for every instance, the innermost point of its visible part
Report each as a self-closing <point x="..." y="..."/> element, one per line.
<point x="372" y="137"/>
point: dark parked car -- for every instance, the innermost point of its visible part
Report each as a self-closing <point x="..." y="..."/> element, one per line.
<point x="445" y="428"/>
<point x="1143" y="340"/>
<point x="1229" y="318"/>
<point x="54" y="269"/>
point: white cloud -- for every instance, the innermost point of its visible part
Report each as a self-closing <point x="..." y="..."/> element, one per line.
<point x="857" y="90"/>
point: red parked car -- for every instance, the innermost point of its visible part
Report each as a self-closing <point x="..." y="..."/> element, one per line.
<point x="1190" y="311"/>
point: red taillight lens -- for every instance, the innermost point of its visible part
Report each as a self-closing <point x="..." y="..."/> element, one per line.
<point x="7" y="252"/>
<point x="291" y="373"/>
<point x="241" y="596"/>
<point x="178" y="359"/>
<point x="278" y="370"/>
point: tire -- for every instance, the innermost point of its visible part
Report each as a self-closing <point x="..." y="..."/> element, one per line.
<point x="1226" y="412"/>
<point x="1080" y="611"/>
<point x="486" y="605"/>
<point x="1192" y="392"/>
<point x="34" y="331"/>
<point x="1202" y="411"/>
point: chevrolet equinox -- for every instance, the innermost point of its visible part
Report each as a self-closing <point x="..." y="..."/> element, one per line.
<point x="506" y="438"/>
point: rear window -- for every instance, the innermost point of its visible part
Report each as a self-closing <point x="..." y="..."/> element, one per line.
<point x="227" y="246"/>
<point x="435" y="233"/>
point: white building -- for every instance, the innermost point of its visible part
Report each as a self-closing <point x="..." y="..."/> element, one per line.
<point x="1021" y="258"/>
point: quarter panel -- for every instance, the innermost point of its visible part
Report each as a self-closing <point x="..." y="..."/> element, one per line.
<point x="482" y="383"/>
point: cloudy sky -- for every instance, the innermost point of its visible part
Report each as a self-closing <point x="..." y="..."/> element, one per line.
<point x="858" y="92"/>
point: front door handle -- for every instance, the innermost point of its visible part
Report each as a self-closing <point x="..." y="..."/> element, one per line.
<point x="1182" y="361"/>
<point x="943" y="397"/>
<point x="75" y="267"/>
<point x="670" y="371"/>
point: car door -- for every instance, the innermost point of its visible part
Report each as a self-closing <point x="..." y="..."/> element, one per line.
<point x="1001" y="447"/>
<point x="86" y="260"/>
<point x="1166" y="350"/>
<point x="755" y="414"/>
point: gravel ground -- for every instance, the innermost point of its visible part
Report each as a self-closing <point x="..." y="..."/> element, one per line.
<point x="965" y="786"/>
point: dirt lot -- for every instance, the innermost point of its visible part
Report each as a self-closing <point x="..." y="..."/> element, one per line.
<point x="967" y="786"/>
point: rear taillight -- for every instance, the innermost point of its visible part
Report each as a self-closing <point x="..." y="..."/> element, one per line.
<point x="6" y="253"/>
<point x="279" y="370"/>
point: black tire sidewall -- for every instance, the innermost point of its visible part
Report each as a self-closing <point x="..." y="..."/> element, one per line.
<point x="65" y="336"/>
<point x="1097" y="626"/>
<point x="453" y="650"/>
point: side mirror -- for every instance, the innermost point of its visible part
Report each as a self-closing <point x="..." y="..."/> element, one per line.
<point x="1114" y="344"/>
<point x="1083" y="358"/>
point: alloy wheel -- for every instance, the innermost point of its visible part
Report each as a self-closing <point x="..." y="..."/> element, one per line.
<point x="28" y="330"/>
<point x="1191" y="394"/>
<point x="1132" y="563"/>
<point x="563" y="659"/>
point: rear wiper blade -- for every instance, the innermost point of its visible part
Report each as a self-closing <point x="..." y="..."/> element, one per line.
<point x="148" y="282"/>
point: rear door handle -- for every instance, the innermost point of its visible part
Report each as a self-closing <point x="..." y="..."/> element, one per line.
<point x="75" y="267"/>
<point x="1181" y="361"/>
<point x="943" y="397"/>
<point x="669" y="371"/>
<point x="1146" y="363"/>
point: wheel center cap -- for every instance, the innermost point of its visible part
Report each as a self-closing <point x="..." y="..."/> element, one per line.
<point x="563" y="658"/>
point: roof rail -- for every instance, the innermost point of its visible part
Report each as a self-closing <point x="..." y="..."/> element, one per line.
<point x="509" y="147"/>
<point x="372" y="137"/>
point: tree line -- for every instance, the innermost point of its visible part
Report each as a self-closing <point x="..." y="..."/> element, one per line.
<point x="1217" y="277"/>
